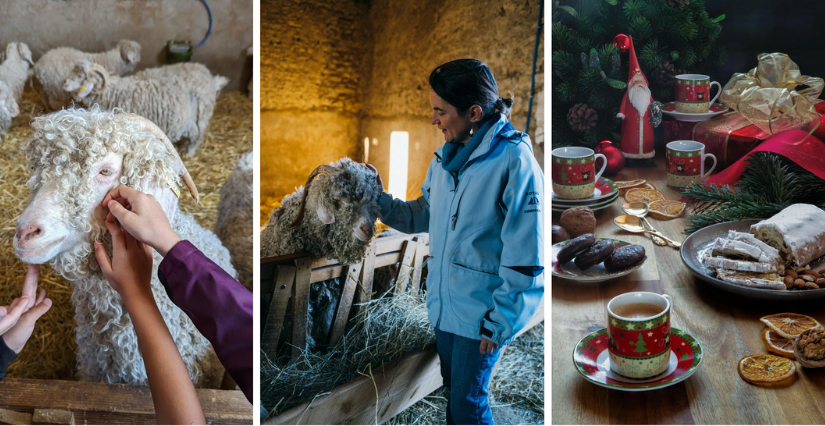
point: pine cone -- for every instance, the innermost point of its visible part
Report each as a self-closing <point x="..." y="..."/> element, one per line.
<point x="581" y="117"/>
<point x="665" y="74"/>
<point x="678" y="3"/>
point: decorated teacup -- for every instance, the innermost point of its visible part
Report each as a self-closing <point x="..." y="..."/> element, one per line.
<point x="574" y="172"/>
<point x="639" y="347"/>
<point x="686" y="163"/>
<point x="693" y="93"/>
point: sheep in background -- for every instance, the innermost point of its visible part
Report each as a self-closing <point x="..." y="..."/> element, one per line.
<point x="332" y="216"/>
<point x="180" y="102"/>
<point x="52" y="69"/>
<point x="14" y="72"/>
<point x="76" y="156"/>
<point x="234" y="223"/>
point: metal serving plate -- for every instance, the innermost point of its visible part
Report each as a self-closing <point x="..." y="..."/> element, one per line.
<point x="701" y="241"/>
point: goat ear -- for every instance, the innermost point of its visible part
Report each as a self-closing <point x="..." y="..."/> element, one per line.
<point x="166" y="197"/>
<point x="324" y="215"/>
<point x="25" y="52"/>
<point x="100" y="74"/>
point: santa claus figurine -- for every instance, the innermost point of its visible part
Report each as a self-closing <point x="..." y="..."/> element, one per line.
<point x="637" y="129"/>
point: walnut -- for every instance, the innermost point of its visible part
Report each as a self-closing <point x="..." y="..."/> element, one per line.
<point x="578" y="221"/>
<point x="809" y="348"/>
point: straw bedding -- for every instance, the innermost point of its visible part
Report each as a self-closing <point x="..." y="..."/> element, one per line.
<point x="50" y="353"/>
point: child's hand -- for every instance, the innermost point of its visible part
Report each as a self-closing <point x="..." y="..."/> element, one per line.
<point x="130" y="270"/>
<point x="27" y="310"/>
<point x="144" y="219"/>
<point x="487" y="346"/>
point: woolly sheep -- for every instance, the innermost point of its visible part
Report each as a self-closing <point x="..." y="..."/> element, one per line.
<point x="52" y="69"/>
<point x="14" y="71"/>
<point x="234" y="223"/>
<point x="178" y="98"/>
<point x="341" y="207"/>
<point x="85" y="153"/>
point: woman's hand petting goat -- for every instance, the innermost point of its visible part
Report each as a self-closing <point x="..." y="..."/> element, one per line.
<point x="130" y="273"/>
<point x="144" y="219"/>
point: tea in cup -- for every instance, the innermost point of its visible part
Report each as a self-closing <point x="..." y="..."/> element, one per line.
<point x="638" y="329"/>
<point x="693" y="93"/>
<point x="686" y="163"/>
<point x="574" y="172"/>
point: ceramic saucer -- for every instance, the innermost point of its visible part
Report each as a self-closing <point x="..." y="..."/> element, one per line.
<point x="716" y="109"/>
<point x="593" y="362"/>
<point x="605" y="189"/>
<point x="596" y="274"/>
<point x="598" y="206"/>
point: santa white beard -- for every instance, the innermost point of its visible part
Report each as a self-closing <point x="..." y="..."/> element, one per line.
<point x="639" y="97"/>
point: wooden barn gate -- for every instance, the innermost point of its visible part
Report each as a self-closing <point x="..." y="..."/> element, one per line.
<point x="394" y="386"/>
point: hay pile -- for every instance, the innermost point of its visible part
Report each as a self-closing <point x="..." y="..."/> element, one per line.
<point x="516" y="391"/>
<point x="50" y="353"/>
<point x="386" y="330"/>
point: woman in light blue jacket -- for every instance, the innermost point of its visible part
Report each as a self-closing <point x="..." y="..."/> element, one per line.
<point x="482" y="205"/>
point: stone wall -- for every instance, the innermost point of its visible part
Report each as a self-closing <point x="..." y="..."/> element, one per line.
<point x="97" y="25"/>
<point x="333" y="74"/>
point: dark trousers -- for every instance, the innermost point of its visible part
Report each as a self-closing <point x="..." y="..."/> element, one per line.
<point x="466" y="373"/>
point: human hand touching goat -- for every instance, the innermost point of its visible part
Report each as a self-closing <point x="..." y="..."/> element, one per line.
<point x="17" y="320"/>
<point x="141" y="216"/>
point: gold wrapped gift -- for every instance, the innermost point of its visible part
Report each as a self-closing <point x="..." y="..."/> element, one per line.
<point x="770" y="95"/>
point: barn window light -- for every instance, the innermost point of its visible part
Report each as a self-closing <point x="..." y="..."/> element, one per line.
<point x="399" y="161"/>
<point x="366" y="150"/>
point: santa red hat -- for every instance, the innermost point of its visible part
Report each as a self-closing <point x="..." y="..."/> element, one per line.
<point x="634" y="64"/>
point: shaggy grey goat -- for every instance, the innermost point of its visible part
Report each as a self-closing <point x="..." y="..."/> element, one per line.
<point x="52" y="69"/>
<point x="75" y="157"/>
<point x="332" y="216"/>
<point x="234" y="223"/>
<point x="178" y="98"/>
<point x="14" y="72"/>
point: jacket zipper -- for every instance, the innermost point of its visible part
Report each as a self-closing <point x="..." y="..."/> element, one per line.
<point x="444" y="266"/>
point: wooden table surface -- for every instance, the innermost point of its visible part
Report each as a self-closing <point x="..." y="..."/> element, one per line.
<point x="726" y="325"/>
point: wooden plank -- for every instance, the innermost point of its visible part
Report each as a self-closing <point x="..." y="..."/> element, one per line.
<point x="330" y="272"/>
<point x="116" y="401"/>
<point x="267" y="280"/>
<point x="403" y="276"/>
<point x="300" y="304"/>
<point x="284" y="284"/>
<point x="364" y="293"/>
<point x="418" y="265"/>
<point x="339" y="323"/>
<point x="382" y="245"/>
<point x="399" y="384"/>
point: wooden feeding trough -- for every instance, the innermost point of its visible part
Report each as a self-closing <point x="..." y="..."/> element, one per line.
<point x="394" y="386"/>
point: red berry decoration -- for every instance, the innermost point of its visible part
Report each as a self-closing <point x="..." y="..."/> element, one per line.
<point x="615" y="158"/>
<point x="622" y="42"/>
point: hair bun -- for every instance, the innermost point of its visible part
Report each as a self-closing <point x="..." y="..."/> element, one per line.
<point x="503" y="105"/>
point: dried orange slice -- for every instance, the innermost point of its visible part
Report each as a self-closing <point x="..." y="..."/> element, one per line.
<point x="646" y="196"/>
<point x="666" y="209"/>
<point x="648" y="185"/>
<point x="766" y="369"/>
<point x="789" y="325"/>
<point x="627" y="185"/>
<point x="778" y="344"/>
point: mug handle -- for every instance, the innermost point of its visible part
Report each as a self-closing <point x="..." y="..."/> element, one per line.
<point x="705" y="156"/>
<point x="718" y="92"/>
<point x="604" y="166"/>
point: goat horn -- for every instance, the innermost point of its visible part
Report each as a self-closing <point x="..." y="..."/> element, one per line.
<point x="104" y="76"/>
<point x="154" y="129"/>
<point x="320" y="170"/>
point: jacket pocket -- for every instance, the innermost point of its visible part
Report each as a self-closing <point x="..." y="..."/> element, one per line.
<point x="470" y="290"/>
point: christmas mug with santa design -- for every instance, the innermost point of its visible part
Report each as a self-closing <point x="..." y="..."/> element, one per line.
<point x="574" y="172"/>
<point x="638" y="331"/>
<point x="686" y="163"/>
<point x="693" y="93"/>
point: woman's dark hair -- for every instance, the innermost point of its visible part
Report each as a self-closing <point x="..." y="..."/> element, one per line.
<point x="467" y="82"/>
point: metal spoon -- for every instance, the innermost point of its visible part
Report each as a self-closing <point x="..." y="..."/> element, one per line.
<point x="640" y="210"/>
<point x="634" y="224"/>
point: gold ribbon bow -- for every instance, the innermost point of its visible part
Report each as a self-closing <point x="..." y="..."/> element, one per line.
<point x="770" y="95"/>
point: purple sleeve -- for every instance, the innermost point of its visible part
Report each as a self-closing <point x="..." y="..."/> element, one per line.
<point x="219" y="306"/>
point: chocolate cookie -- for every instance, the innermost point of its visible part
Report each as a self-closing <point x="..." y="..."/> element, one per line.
<point x="596" y="254"/>
<point x="624" y="257"/>
<point x="574" y="247"/>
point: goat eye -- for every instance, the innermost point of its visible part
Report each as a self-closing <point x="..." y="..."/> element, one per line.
<point x="106" y="172"/>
